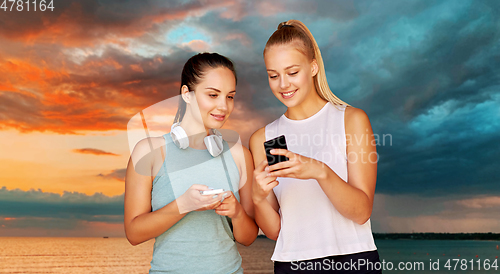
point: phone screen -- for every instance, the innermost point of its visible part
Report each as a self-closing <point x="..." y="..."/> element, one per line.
<point x="278" y="142"/>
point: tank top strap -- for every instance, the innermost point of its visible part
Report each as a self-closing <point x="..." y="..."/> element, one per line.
<point x="226" y="148"/>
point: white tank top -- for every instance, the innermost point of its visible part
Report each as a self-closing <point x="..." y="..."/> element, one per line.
<point x="311" y="227"/>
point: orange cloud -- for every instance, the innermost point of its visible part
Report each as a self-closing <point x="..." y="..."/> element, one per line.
<point x="93" y="151"/>
<point x="101" y="93"/>
<point x="198" y="45"/>
<point x="137" y="68"/>
<point x="117" y="174"/>
<point x="17" y="75"/>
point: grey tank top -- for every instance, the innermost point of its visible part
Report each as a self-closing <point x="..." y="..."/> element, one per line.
<point x="202" y="241"/>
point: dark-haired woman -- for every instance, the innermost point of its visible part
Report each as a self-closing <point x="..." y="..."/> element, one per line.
<point x="317" y="205"/>
<point x="194" y="233"/>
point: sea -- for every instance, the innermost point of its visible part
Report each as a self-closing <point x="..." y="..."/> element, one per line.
<point x="117" y="255"/>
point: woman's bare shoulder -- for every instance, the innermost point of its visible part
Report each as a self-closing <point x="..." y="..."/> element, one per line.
<point x="238" y="150"/>
<point x="353" y="112"/>
<point x="149" y="143"/>
<point x="148" y="150"/>
<point x="258" y="137"/>
<point x="355" y="118"/>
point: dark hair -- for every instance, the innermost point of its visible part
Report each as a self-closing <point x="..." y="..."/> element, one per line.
<point x="194" y="70"/>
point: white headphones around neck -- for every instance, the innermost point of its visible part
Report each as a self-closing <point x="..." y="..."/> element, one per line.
<point x="213" y="141"/>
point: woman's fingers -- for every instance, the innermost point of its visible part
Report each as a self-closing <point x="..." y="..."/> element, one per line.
<point x="213" y="205"/>
<point x="222" y="212"/>
<point x="199" y="187"/>
<point x="222" y="200"/>
<point x="260" y="168"/>
<point x="287" y="172"/>
<point x="206" y="202"/>
<point x="283" y="152"/>
<point x="264" y="183"/>
<point x="261" y="177"/>
<point x="266" y="180"/>
<point x="281" y="165"/>
<point x="269" y="187"/>
<point x="219" y="197"/>
<point x="227" y="206"/>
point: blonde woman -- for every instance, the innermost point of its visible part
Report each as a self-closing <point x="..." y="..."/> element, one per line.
<point x="317" y="205"/>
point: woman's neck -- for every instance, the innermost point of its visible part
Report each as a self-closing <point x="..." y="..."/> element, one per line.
<point x="195" y="131"/>
<point x="310" y="106"/>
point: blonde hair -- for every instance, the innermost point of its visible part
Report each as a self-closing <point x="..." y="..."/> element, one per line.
<point x="296" y="33"/>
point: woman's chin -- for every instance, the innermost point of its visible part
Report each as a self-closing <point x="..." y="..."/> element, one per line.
<point x="215" y="124"/>
<point x="290" y="103"/>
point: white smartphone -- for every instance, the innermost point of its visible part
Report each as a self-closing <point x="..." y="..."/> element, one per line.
<point x="212" y="191"/>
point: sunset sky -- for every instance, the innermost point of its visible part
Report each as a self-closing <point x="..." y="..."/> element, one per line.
<point x="427" y="73"/>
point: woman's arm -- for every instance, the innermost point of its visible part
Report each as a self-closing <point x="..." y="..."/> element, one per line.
<point x="265" y="202"/>
<point x="141" y="224"/>
<point x="354" y="199"/>
<point x="245" y="229"/>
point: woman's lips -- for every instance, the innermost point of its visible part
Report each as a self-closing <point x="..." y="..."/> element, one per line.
<point x="218" y="117"/>
<point x="288" y="95"/>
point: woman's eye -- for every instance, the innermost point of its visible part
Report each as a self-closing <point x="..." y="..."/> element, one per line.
<point x="230" y="97"/>
<point x="213" y="95"/>
<point x="293" y="73"/>
<point x="273" y="76"/>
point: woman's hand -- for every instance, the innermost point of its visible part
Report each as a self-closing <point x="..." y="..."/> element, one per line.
<point x="192" y="199"/>
<point x="263" y="183"/>
<point x="229" y="207"/>
<point x="297" y="166"/>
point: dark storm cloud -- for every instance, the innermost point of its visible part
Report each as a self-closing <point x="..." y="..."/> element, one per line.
<point x="458" y="155"/>
<point x="70" y="205"/>
<point x="452" y="69"/>
<point x="446" y="213"/>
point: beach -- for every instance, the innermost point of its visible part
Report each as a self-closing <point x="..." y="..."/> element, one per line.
<point x="117" y="255"/>
<point x="102" y="255"/>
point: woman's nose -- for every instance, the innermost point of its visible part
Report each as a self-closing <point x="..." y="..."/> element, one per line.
<point x="284" y="83"/>
<point x="222" y="104"/>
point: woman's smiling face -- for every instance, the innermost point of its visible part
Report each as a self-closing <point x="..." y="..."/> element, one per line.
<point x="290" y="74"/>
<point x="215" y="97"/>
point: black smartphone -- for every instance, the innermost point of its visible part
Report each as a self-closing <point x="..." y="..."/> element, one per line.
<point x="278" y="142"/>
